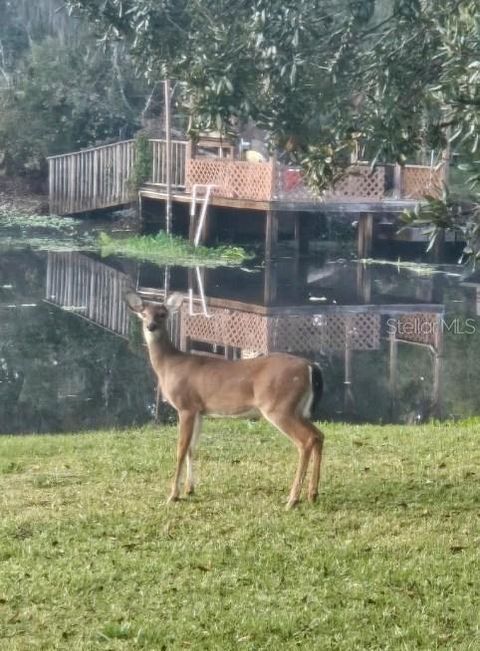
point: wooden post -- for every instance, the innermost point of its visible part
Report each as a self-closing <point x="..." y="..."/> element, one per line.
<point x="364" y="283"/>
<point x="365" y="235"/>
<point x="437" y="393"/>
<point x="348" y="382"/>
<point x="392" y="371"/>
<point x="300" y="234"/>
<point x="168" y="156"/>
<point x="271" y="234"/>
<point x="397" y="181"/>
<point x="438" y="247"/>
<point x="270" y="284"/>
<point x="51" y="181"/>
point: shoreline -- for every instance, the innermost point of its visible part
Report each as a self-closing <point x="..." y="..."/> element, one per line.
<point x="16" y="196"/>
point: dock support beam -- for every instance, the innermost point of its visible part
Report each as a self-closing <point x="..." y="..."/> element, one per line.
<point x="365" y="235"/>
<point x="300" y="234"/>
<point x="271" y="234"/>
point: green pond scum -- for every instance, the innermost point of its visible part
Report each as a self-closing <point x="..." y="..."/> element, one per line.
<point x="171" y="249"/>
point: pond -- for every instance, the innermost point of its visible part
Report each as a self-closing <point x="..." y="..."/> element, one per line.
<point x="397" y="342"/>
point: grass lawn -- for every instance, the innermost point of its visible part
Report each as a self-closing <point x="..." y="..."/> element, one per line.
<point x="92" y="558"/>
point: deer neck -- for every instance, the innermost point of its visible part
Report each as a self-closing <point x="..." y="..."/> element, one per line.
<point x="160" y="348"/>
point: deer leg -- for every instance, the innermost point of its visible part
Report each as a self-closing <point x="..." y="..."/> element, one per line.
<point x="186" y="424"/>
<point x="317" y="462"/>
<point x="307" y="439"/>
<point x="190" y="481"/>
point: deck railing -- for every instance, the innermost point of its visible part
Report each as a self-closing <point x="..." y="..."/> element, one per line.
<point x="92" y="178"/>
<point x="159" y="165"/>
<point x="232" y="179"/>
<point x="361" y="183"/>
<point x="99" y="178"/>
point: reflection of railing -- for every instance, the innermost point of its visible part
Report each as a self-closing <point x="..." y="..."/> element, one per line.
<point x="264" y="334"/>
<point x="88" y="288"/>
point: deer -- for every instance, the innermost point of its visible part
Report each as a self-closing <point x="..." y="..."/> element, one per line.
<point x="280" y="387"/>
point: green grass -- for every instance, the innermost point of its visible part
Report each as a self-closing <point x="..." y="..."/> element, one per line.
<point x="92" y="558"/>
<point x="171" y="249"/>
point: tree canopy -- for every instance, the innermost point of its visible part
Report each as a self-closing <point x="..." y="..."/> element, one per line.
<point x="59" y="91"/>
<point x="320" y="75"/>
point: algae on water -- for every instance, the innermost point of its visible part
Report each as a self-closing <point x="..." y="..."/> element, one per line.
<point x="171" y="249"/>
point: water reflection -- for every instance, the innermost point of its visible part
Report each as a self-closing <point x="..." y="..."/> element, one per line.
<point x="394" y="345"/>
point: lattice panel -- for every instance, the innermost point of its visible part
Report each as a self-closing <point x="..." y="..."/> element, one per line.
<point x="418" y="181"/>
<point x="226" y="328"/>
<point x="291" y="187"/>
<point x="255" y="333"/>
<point x="232" y="179"/>
<point x="360" y="182"/>
<point x="419" y="327"/>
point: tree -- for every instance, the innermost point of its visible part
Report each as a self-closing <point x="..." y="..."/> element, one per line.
<point x="64" y="90"/>
<point x="323" y="76"/>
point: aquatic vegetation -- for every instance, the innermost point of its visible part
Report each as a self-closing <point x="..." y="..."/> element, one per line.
<point x="171" y="249"/>
<point x="420" y="268"/>
<point x="11" y="219"/>
<point x="60" y="244"/>
<point x="43" y="233"/>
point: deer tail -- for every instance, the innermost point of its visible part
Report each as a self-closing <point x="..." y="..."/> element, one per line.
<point x="317" y="387"/>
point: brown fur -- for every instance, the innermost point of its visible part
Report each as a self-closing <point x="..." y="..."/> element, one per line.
<point x="278" y="387"/>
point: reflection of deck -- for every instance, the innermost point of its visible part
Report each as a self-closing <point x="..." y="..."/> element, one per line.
<point x="88" y="288"/>
<point x="234" y="329"/>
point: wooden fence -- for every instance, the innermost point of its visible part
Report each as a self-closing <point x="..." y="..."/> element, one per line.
<point x="91" y="179"/>
<point x="231" y="178"/>
<point x="159" y="165"/>
<point x="97" y="178"/>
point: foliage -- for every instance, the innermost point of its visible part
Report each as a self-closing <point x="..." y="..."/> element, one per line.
<point x="142" y="167"/>
<point x="61" y="92"/>
<point x="436" y="215"/>
<point x="171" y="249"/>
<point x="386" y="559"/>
<point x="388" y="78"/>
<point x="315" y="72"/>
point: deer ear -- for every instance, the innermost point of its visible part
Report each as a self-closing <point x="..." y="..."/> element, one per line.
<point x="134" y="302"/>
<point x="174" y="301"/>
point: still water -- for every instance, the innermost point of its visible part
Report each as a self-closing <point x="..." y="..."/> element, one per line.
<point x="396" y="342"/>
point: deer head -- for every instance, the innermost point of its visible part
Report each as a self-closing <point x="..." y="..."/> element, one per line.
<point x="153" y="315"/>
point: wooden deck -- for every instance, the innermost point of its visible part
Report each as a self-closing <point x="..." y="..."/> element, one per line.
<point x="100" y="177"/>
<point x="157" y="192"/>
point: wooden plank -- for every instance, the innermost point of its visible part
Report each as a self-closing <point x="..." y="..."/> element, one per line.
<point x="51" y="182"/>
<point x="365" y="235"/>
<point x="271" y="234"/>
